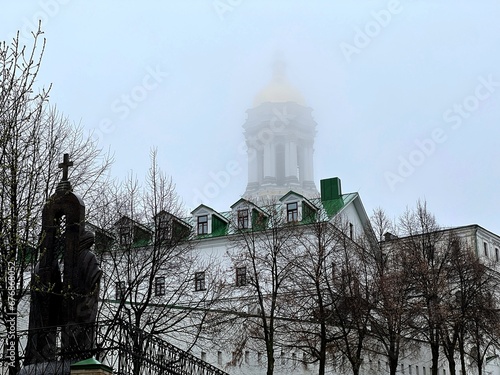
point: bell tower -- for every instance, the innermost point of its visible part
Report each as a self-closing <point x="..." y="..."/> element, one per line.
<point x="279" y="134"/>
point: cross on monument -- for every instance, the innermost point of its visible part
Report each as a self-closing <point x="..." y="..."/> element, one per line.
<point x="65" y="166"/>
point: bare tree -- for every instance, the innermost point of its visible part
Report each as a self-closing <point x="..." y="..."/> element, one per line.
<point x="33" y="137"/>
<point x="149" y="271"/>
<point x="393" y="312"/>
<point x="425" y="257"/>
<point x="392" y="316"/>
<point x="332" y="293"/>
<point x="479" y="302"/>
<point x="381" y="224"/>
<point x="326" y="256"/>
<point x="353" y="297"/>
<point x="264" y="250"/>
<point x="460" y="290"/>
<point x="313" y="330"/>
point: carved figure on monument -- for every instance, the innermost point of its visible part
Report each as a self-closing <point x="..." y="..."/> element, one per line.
<point x="78" y="335"/>
<point x="68" y="302"/>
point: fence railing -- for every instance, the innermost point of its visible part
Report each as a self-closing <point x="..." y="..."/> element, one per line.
<point x="120" y="345"/>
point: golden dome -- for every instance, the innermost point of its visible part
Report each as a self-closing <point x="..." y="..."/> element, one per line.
<point x="278" y="90"/>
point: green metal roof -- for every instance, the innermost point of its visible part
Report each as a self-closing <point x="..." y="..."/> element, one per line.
<point x="90" y="363"/>
<point x="334" y="206"/>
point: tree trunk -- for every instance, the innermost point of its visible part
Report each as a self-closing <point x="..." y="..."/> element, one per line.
<point x="270" y="360"/>
<point x="435" y="358"/>
<point x="393" y="367"/>
<point x="393" y="359"/>
<point x="322" y="349"/>
<point x="462" y="356"/>
<point x="452" y="365"/>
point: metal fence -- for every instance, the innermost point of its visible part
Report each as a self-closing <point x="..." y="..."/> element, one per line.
<point x="121" y="346"/>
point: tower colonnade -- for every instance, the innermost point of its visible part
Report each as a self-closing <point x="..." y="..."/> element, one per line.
<point x="280" y="133"/>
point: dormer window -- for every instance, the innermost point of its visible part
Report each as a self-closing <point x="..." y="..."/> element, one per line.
<point x="163" y="228"/>
<point x="125" y="237"/>
<point x="292" y="212"/>
<point x="243" y="219"/>
<point x="202" y="224"/>
<point x="209" y="222"/>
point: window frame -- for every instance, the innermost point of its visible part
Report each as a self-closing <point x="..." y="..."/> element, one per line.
<point x="202" y="224"/>
<point x="163" y="228"/>
<point x="241" y="276"/>
<point x="159" y="286"/>
<point x="292" y="214"/>
<point x="243" y="218"/>
<point x="120" y="287"/>
<point x="199" y="281"/>
<point x="125" y="236"/>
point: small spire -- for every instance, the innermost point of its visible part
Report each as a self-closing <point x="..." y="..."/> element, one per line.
<point x="279" y="67"/>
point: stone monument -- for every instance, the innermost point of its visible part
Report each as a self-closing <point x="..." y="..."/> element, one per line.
<point x="63" y="302"/>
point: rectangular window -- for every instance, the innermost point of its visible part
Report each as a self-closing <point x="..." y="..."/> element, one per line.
<point x="292" y="212"/>
<point x="125" y="237"/>
<point x="119" y="290"/>
<point x="219" y="358"/>
<point x="163" y="229"/>
<point x="486" y="249"/>
<point x="160" y="286"/>
<point x="202" y="224"/>
<point x="241" y="276"/>
<point x="242" y="219"/>
<point x="497" y="255"/>
<point x="199" y="281"/>
<point x="351" y="231"/>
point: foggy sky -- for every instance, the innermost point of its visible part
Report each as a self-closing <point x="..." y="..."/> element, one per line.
<point x="406" y="94"/>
